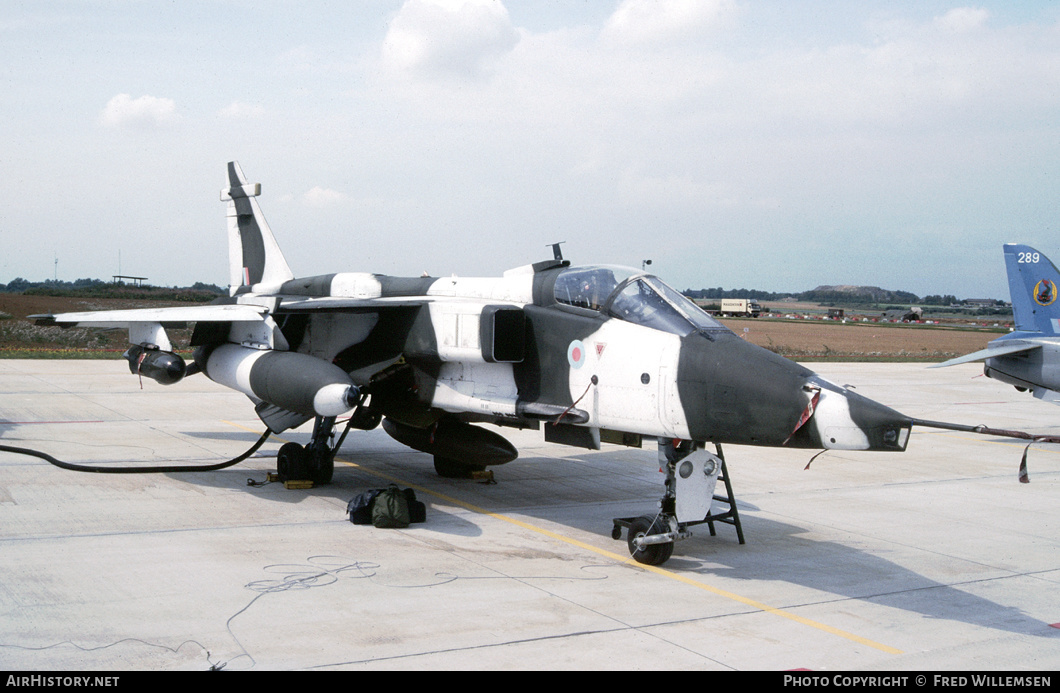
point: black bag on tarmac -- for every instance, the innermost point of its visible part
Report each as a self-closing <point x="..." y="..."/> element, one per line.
<point x="386" y="507"/>
<point x="390" y="509"/>
<point x="360" y="508"/>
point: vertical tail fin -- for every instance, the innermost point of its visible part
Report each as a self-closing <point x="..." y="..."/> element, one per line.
<point x="1033" y="283"/>
<point x="254" y="257"/>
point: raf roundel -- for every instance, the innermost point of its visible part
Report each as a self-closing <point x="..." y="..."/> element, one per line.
<point x="576" y="354"/>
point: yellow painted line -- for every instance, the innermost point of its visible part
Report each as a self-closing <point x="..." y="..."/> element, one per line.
<point x="624" y="559"/>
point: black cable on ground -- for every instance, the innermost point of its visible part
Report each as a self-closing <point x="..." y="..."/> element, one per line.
<point x="137" y="470"/>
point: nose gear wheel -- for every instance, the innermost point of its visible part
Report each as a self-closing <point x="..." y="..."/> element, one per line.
<point x="648" y="554"/>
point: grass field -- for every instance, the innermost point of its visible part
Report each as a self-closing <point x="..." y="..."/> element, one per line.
<point x="825" y="339"/>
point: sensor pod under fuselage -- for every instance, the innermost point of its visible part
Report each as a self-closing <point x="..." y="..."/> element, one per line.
<point x="454" y="440"/>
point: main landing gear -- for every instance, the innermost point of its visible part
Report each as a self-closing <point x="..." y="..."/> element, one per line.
<point x="312" y="462"/>
<point x="315" y="461"/>
<point x="692" y="474"/>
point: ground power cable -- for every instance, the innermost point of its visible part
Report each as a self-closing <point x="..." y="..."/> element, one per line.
<point x="164" y="469"/>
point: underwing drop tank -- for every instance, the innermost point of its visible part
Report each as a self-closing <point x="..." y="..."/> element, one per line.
<point x="296" y="382"/>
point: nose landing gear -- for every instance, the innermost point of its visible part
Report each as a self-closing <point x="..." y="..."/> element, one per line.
<point x="692" y="474"/>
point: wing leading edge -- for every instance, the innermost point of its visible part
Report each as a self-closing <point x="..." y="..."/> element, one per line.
<point x="147" y="325"/>
<point x="990" y="352"/>
<point x="127" y="318"/>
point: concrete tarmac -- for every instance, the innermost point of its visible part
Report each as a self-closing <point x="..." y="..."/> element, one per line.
<point x="932" y="560"/>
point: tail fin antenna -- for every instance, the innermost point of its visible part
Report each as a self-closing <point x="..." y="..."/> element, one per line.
<point x="254" y="257"/>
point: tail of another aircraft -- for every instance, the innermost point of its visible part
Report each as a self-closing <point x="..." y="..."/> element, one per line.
<point x="254" y="257"/>
<point x="1033" y="283"/>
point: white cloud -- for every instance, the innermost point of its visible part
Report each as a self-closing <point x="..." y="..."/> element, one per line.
<point x="144" y="112"/>
<point x="323" y="197"/>
<point x="238" y="110"/>
<point x="455" y="37"/>
<point x="665" y="21"/>
<point x="963" y="19"/>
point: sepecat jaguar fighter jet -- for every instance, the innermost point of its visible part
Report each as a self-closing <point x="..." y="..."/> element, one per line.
<point x="588" y="354"/>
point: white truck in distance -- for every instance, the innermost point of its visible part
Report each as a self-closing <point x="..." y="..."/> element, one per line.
<point x="740" y="307"/>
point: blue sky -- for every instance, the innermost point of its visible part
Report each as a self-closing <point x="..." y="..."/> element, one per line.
<point x="772" y="145"/>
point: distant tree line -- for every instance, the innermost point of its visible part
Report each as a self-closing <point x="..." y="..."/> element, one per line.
<point x="736" y="293"/>
<point x="827" y="295"/>
<point x="936" y="300"/>
<point x="18" y="285"/>
<point x="822" y="294"/>
<point x="198" y="291"/>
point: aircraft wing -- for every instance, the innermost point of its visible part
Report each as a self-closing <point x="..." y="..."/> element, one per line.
<point x="990" y="352"/>
<point x="241" y="312"/>
<point x="176" y="314"/>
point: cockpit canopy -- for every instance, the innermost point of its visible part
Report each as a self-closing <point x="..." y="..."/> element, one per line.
<point x="627" y="294"/>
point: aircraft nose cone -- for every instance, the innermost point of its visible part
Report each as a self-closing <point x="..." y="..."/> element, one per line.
<point x="845" y="420"/>
<point x="735" y="392"/>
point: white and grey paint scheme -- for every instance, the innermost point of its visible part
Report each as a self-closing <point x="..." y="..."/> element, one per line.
<point x="587" y="353"/>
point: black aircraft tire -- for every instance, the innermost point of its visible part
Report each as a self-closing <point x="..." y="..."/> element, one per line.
<point x="291" y="463"/>
<point x="453" y="469"/>
<point x="653" y="554"/>
<point x="323" y="469"/>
